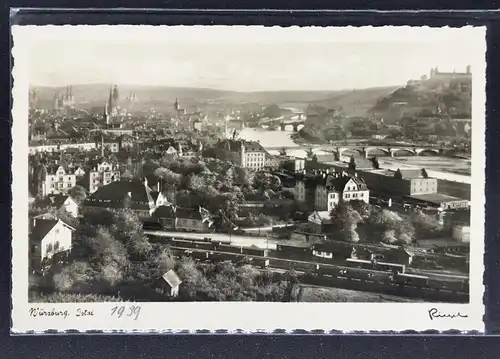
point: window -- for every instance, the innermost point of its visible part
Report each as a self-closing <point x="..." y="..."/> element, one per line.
<point x="193" y="222"/>
<point x="56" y="246"/>
<point x="49" y="247"/>
<point x="57" y="230"/>
<point x="347" y="195"/>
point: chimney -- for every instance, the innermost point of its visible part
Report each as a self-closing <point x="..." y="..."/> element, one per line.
<point x="356" y="175"/>
<point x="158" y="185"/>
<point x="145" y="181"/>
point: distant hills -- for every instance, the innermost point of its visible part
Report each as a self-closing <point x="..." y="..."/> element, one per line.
<point x="352" y="101"/>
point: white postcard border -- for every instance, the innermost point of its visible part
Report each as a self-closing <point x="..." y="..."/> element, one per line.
<point x="259" y="316"/>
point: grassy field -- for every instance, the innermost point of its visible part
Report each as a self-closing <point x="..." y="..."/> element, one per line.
<point x="325" y="294"/>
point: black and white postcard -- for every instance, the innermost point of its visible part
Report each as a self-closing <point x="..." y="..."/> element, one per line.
<point x="248" y="178"/>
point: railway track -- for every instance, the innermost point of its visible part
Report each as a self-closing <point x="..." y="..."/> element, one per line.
<point x="306" y="266"/>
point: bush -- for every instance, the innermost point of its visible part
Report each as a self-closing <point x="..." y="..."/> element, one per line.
<point x="59" y="297"/>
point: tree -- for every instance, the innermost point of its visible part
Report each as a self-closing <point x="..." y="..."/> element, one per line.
<point x="424" y="173"/>
<point x="79" y="193"/>
<point x="398" y="174"/>
<point x="265" y="180"/>
<point x="352" y="164"/>
<point x="375" y="163"/>
<point x="168" y="176"/>
<point x="272" y="111"/>
<point x="73" y="277"/>
<point x="425" y="225"/>
<point x="346" y="220"/>
<point x="195" y="183"/>
<point x="283" y="152"/>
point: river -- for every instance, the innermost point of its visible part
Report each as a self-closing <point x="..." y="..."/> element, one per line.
<point x="273" y="140"/>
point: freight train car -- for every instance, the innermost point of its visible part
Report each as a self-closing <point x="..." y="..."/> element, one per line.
<point x="359" y="263"/>
<point x="369" y="275"/>
<point x="333" y="271"/>
<point x="390" y="267"/>
<point x="255" y="251"/>
<point x="198" y="255"/>
<point x="413" y="280"/>
<point x="227" y="248"/>
<point x="461" y="286"/>
<point x="182" y="243"/>
<point x="301" y="251"/>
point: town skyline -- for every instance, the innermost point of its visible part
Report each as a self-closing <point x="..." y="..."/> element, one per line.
<point x="184" y="60"/>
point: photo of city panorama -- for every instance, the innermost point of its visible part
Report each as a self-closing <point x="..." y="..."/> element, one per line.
<point x="178" y="191"/>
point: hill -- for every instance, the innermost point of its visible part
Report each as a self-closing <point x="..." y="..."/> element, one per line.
<point x="163" y="96"/>
<point x="356" y="102"/>
<point x="424" y="99"/>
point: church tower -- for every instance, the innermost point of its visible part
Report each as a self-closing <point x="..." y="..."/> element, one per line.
<point x="110" y="100"/>
<point x="116" y="95"/>
<point x="106" y="115"/>
<point x="176" y="105"/>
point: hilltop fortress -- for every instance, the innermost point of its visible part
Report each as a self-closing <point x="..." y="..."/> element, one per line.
<point x="437" y="77"/>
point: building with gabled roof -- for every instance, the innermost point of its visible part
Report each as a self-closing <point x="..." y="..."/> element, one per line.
<point x="134" y="195"/>
<point x="248" y="154"/>
<point x="333" y="188"/>
<point x="169" y="283"/>
<point x="54" y="179"/>
<point x="48" y="237"/>
<point x="60" y="202"/>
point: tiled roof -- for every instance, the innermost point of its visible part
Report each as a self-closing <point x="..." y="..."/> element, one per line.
<point x="171" y="278"/>
<point x="43" y="226"/>
<point x="56" y="200"/>
<point x="117" y="194"/>
<point x="164" y="212"/>
<point x="411" y="173"/>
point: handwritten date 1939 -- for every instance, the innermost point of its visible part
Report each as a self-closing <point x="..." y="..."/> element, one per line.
<point x="122" y="311"/>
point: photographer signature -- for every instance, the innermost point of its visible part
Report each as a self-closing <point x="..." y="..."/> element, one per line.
<point x="434" y="313"/>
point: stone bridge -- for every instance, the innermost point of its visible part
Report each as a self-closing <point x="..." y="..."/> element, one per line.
<point x="393" y="151"/>
<point x="294" y="125"/>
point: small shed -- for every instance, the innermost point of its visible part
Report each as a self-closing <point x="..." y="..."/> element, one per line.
<point x="169" y="283"/>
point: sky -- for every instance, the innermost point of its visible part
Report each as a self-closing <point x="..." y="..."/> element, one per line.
<point x="243" y="58"/>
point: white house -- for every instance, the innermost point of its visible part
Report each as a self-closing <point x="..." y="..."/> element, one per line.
<point x="79" y="172"/>
<point x="331" y="189"/>
<point x="55" y="180"/>
<point x="48" y="237"/>
<point x="61" y="202"/>
<point x="169" y="283"/>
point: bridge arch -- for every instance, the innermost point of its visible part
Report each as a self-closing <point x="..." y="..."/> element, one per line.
<point x="402" y="152"/>
<point x="426" y="152"/>
<point x="349" y="151"/>
<point x="377" y="152"/>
